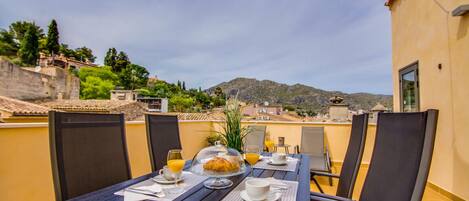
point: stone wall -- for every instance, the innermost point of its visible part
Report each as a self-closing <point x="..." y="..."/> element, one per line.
<point x="22" y="84"/>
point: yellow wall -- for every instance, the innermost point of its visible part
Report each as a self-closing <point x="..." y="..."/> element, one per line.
<point x="337" y="136"/>
<point x="25" y="169"/>
<point x="425" y="32"/>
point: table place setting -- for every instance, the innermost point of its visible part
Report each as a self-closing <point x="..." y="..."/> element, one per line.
<point x="278" y="161"/>
<point x="169" y="184"/>
<point x="269" y="189"/>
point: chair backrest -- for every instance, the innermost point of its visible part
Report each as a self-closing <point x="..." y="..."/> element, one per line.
<point x="312" y="141"/>
<point x="162" y="136"/>
<point x="353" y="156"/>
<point x="256" y="136"/>
<point x="401" y="156"/>
<point x="88" y="152"/>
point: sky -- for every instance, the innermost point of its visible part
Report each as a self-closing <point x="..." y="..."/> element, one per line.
<point x="338" y="45"/>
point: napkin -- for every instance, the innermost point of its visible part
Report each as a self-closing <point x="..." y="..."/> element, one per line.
<point x="131" y="196"/>
<point x="276" y="183"/>
<point x="154" y="188"/>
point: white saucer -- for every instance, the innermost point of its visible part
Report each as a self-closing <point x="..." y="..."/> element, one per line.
<point x="273" y="196"/>
<point x="161" y="180"/>
<point x="270" y="162"/>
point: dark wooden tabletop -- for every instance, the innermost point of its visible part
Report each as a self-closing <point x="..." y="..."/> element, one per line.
<point x="200" y="192"/>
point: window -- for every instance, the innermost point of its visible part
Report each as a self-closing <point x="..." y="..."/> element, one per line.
<point x="409" y="88"/>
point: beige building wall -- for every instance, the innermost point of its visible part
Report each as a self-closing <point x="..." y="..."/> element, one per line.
<point x="425" y="31"/>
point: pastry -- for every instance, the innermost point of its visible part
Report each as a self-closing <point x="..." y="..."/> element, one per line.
<point x="219" y="164"/>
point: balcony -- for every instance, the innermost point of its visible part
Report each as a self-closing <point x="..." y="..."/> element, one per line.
<point x="26" y="167"/>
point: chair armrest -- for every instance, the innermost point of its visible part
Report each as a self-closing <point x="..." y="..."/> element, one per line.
<point x="324" y="197"/>
<point x="326" y="174"/>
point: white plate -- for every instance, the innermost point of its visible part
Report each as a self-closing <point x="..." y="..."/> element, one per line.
<point x="273" y="196"/>
<point x="270" y="162"/>
<point x="161" y="180"/>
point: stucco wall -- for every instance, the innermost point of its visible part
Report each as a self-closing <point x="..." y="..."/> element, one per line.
<point x="23" y="84"/>
<point x="426" y="32"/>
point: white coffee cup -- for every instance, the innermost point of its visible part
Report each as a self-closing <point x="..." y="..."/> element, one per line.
<point x="168" y="175"/>
<point x="257" y="189"/>
<point x="279" y="158"/>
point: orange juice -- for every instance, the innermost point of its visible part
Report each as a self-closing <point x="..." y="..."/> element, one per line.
<point x="269" y="144"/>
<point x="176" y="165"/>
<point x="252" y="158"/>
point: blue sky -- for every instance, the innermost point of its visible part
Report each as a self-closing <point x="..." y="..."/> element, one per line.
<point x="329" y="44"/>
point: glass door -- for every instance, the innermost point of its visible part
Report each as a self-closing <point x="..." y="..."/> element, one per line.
<point x="409" y="88"/>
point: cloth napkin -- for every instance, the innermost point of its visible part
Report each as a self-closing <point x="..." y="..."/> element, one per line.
<point x="131" y="196"/>
<point x="276" y="182"/>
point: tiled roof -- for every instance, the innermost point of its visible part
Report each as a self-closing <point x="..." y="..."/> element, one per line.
<point x="87" y="105"/>
<point x="21" y="108"/>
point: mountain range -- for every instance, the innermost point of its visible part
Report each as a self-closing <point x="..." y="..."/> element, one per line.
<point x="297" y="95"/>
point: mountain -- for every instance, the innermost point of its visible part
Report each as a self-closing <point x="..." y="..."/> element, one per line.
<point x="256" y="91"/>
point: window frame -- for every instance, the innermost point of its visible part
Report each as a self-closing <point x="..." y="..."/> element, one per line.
<point x="407" y="69"/>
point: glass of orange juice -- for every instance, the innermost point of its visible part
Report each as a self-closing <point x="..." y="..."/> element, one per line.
<point x="175" y="165"/>
<point x="252" y="155"/>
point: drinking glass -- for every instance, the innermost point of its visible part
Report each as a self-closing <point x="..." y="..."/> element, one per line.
<point x="252" y="155"/>
<point x="175" y="166"/>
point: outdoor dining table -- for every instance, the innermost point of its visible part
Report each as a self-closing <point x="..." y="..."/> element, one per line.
<point x="200" y="192"/>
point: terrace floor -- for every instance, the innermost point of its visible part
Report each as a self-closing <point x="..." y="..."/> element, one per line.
<point x="429" y="195"/>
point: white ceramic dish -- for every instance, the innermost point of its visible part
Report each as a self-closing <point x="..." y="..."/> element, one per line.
<point x="270" y="162"/>
<point x="161" y="180"/>
<point x="273" y="196"/>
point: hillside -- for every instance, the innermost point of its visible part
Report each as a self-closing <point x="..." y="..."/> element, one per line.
<point x="256" y="91"/>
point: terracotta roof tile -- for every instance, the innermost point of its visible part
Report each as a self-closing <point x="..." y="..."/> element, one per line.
<point x="21" y="108"/>
<point x="87" y="105"/>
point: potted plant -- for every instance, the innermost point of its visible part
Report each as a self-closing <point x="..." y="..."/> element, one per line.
<point x="232" y="133"/>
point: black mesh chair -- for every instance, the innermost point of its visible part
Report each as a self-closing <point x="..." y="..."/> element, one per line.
<point x="352" y="160"/>
<point x="88" y="152"/>
<point x="401" y="158"/>
<point x="162" y="135"/>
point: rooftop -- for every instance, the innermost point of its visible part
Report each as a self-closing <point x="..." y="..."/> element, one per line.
<point x="87" y="105"/>
<point x="21" y="108"/>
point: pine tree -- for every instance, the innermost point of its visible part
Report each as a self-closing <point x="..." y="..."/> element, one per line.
<point x="183" y="85"/>
<point x="110" y="59"/>
<point x="52" y="43"/>
<point x="29" y="47"/>
<point x="122" y="60"/>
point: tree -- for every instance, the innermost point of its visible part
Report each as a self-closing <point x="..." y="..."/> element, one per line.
<point x="67" y="52"/>
<point x="18" y="30"/>
<point x="181" y="103"/>
<point x="134" y="76"/>
<point x="84" y="53"/>
<point x="8" y="46"/>
<point x="96" y="88"/>
<point x="103" y="73"/>
<point x="183" y="85"/>
<point x="52" y="43"/>
<point x="122" y="61"/>
<point x="110" y="58"/>
<point x="29" y="48"/>
<point x="96" y="83"/>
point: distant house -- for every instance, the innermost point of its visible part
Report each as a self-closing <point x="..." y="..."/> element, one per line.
<point x="258" y="110"/>
<point x="131" y="109"/>
<point x="16" y="111"/>
<point x="63" y="62"/>
<point x="153" y="104"/>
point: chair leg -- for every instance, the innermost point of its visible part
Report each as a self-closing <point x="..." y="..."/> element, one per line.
<point x="330" y="178"/>
<point x="317" y="184"/>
